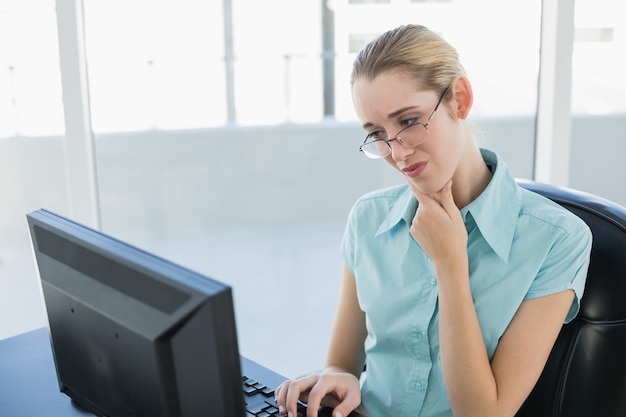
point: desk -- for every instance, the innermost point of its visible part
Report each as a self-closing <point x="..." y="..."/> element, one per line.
<point x="28" y="381"/>
<point x="29" y="385"/>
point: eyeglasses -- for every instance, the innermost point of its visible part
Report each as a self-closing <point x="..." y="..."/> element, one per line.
<point x="376" y="144"/>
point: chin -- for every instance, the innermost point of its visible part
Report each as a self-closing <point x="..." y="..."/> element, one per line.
<point x="425" y="186"/>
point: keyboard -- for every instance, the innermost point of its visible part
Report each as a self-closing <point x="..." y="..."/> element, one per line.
<point x="258" y="385"/>
<point x="259" y="398"/>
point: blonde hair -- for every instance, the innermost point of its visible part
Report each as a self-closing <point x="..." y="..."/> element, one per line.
<point x="413" y="50"/>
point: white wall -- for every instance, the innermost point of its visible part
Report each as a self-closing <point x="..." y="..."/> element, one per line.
<point x="269" y="175"/>
<point x="598" y="156"/>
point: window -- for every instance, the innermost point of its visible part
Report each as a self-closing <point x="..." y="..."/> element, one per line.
<point x="594" y="35"/>
<point x="278" y="61"/>
<point x="599" y="58"/>
<point x="155" y="64"/>
<point x="359" y="40"/>
<point x="163" y="66"/>
<point x="30" y="78"/>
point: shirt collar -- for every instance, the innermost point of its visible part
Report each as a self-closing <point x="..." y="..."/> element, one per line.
<point x="495" y="211"/>
<point x="403" y="209"/>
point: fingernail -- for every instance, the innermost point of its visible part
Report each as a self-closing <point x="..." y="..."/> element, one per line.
<point x="339" y="415"/>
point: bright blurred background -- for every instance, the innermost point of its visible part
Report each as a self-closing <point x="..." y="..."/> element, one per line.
<point x="224" y="136"/>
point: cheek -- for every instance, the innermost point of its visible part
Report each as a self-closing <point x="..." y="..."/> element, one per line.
<point x="448" y="139"/>
<point x="445" y="149"/>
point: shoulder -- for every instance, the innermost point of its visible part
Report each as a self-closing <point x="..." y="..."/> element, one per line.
<point x="380" y="210"/>
<point x="540" y="210"/>
<point x="563" y="239"/>
<point x="389" y="193"/>
<point x="383" y="199"/>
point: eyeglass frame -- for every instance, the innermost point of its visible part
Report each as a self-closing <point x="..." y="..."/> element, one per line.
<point x="398" y="138"/>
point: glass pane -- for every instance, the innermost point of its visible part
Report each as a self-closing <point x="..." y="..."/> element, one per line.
<point x="278" y="69"/>
<point x="155" y="64"/>
<point x="30" y="80"/>
<point x="260" y="90"/>
<point x="599" y="60"/>
<point x="32" y="172"/>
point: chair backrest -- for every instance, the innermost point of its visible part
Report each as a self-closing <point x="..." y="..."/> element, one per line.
<point x="585" y="375"/>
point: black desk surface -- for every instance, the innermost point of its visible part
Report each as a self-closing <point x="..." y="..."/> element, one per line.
<point x="29" y="386"/>
<point x="28" y="381"/>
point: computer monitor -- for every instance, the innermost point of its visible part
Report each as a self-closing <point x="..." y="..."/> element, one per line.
<point x="131" y="333"/>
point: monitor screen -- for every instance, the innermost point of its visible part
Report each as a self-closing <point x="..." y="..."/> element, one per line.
<point x="133" y="334"/>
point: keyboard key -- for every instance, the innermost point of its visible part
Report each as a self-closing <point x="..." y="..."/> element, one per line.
<point x="259" y="398"/>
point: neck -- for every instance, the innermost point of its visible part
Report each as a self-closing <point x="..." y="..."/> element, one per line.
<point x="470" y="179"/>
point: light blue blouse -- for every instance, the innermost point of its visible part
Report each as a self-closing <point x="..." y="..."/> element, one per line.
<point x="520" y="246"/>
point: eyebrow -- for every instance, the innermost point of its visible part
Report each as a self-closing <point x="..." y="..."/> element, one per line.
<point x="393" y="115"/>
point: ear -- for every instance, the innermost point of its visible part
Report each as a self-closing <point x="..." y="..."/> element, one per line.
<point x="463" y="96"/>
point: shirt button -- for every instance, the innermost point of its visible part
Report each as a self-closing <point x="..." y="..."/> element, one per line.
<point x="419" y="385"/>
<point x="433" y="282"/>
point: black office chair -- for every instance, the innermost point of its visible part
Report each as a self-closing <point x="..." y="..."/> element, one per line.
<point x="585" y="375"/>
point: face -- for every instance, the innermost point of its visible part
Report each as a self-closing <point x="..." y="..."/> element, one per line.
<point x="390" y="102"/>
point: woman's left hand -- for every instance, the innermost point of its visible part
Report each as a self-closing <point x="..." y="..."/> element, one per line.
<point x="438" y="226"/>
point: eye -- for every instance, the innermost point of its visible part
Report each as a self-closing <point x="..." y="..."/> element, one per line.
<point x="376" y="135"/>
<point x="409" y="121"/>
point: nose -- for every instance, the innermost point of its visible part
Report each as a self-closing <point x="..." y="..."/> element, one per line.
<point x="398" y="151"/>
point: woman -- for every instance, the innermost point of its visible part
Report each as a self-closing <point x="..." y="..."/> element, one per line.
<point x="455" y="284"/>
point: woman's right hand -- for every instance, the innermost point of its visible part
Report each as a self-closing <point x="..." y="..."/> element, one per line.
<point x="332" y="388"/>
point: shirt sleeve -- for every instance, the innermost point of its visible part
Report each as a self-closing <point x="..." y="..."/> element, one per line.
<point x="565" y="266"/>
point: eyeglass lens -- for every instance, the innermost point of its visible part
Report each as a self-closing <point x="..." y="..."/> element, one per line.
<point x="410" y="136"/>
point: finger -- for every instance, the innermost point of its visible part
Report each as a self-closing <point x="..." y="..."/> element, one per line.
<point x="350" y="403"/>
<point x="446" y="198"/>
<point x="315" y="397"/>
<point x="290" y="392"/>
<point x="279" y="397"/>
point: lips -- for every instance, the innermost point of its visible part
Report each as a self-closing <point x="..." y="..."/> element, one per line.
<point x="415" y="170"/>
